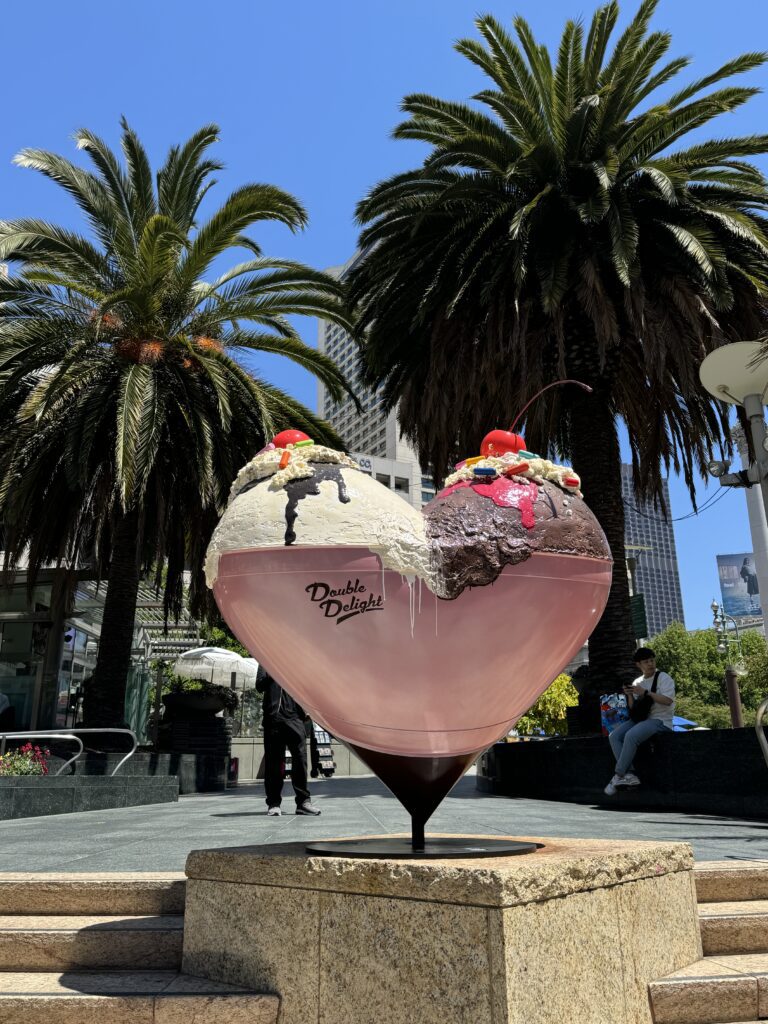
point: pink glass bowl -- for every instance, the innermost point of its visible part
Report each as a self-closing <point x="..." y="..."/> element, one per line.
<point x="385" y="665"/>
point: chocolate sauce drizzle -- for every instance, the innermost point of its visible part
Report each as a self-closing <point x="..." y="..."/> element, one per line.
<point x="299" y="489"/>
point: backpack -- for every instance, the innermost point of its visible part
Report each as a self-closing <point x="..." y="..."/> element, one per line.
<point x="641" y="706"/>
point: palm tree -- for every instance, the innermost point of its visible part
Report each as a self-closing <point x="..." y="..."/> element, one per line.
<point x="125" y="413"/>
<point x="558" y="229"/>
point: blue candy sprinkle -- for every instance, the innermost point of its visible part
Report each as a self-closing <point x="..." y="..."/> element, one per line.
<point x="485" y="471"/>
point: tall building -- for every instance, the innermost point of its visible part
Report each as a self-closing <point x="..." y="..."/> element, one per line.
<point x="372" y="437"/>
<point x="652" y="557"/>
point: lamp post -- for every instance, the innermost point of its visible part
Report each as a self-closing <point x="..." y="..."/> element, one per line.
<point x="720" y="624"/>
<point x="732" y="671"/>
<point x="736" y="374"/>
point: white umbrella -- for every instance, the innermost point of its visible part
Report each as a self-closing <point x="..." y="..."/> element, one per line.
<point x="216" y="665"/>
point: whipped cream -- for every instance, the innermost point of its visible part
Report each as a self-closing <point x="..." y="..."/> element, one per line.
<point x="267" y="463"/>
<point x="534" y="468"/>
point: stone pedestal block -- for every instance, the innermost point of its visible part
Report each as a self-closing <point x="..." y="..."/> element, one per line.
<point x="573" y="932"/>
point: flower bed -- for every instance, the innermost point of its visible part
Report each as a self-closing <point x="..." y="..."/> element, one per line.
<point x="27" y="760"/>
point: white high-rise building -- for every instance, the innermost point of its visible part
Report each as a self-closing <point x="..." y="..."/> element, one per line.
<point x="372" y="437"/>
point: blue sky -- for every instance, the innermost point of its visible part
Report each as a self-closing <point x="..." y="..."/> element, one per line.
<point x="306" y="94"/>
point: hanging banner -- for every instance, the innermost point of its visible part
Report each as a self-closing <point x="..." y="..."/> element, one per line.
<point x="738" y="585"/>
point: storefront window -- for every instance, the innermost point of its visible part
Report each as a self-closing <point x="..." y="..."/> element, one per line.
<point x="22" y="646"/>
<point x="18" y="599"/>
<point x="78" y="660"/>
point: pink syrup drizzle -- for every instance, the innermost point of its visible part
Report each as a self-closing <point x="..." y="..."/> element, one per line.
<point x="505" y="493"/>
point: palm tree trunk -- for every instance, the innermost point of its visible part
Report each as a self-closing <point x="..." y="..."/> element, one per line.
<point x="597" y="460"/>
<point x="105" y="696"/>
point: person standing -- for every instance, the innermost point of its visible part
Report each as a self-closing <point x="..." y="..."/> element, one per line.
<point x="283" y="721"/>
<point x="749" y="576"/>
<point x="7" y="713"/>
<point x="655" y="689"/>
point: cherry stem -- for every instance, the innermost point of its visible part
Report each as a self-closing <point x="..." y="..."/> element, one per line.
<point x="554" y="384"/>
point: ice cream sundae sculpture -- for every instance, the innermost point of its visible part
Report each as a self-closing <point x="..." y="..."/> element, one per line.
<point x="417" y="638"/>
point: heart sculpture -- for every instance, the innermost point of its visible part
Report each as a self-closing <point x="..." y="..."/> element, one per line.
<point x="417" y="638"/>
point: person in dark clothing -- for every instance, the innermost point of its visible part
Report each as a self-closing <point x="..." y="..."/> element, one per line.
<point x="283" y="721"/>
<point x="314" y="753"/>
<point x="749" y="576"/>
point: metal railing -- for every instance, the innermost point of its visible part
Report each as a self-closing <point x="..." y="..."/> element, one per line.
<point x="761" y="737"/>
<point x="69" y="734"/>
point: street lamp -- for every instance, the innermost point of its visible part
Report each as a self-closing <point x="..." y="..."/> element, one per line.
<point x="720" y="625"/>
<point x="738" y="375"/>
<point x="733" y="671"/>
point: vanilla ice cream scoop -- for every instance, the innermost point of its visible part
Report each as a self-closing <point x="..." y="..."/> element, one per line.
<point x="318" y="497"/>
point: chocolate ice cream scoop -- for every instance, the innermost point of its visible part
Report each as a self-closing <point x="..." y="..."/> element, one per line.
<point x="476" y="528"/>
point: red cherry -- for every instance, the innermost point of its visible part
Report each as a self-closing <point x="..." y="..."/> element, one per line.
<point x="499" y="442"/>
<point x="286" y="437"/>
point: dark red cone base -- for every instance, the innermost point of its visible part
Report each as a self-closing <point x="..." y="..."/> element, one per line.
<point x="419" y="783"/>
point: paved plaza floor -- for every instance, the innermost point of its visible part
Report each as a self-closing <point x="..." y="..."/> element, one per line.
<point x="159" y="837"/>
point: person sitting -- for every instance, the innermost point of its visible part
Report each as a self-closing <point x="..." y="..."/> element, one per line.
<point x="654" y="694"/>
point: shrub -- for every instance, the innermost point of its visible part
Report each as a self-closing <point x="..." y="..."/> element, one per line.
<point x="712" y="716"/>
<point x="548" y="713"/>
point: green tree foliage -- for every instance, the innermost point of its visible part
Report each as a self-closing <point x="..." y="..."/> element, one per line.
<point x="548" y="713"/>
<point x="125" y="414"/>
<point x="565" y="224"/>
<point x="220" y="636"/>
<point x="693" y="661"/>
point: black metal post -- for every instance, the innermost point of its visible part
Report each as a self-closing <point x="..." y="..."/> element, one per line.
<point x="417" y="833"/>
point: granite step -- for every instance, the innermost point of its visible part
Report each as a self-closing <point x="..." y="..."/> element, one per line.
<point x="737" y="927"/>
<point x="129" y="997"/>
<point x="61" y="943"/>
<point x="729" y="881"/>
<point x="129" y="893"/>
<point x="715" y="990"/>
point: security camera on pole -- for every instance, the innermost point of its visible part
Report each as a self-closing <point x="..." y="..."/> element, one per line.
<point x="738" y="374"/>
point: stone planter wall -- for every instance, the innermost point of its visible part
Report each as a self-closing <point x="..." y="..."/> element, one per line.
<point x="250" y="754"/>
<point x="721" y="771"/>
<point x="196" y="773"/>
<point x="29" y="796"/>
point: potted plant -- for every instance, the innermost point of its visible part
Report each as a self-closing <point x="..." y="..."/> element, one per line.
<point x="197" y="697"/>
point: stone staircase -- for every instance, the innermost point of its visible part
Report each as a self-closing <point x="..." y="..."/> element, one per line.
<point x="729" y="985"/>
<point x="82" y="949"/>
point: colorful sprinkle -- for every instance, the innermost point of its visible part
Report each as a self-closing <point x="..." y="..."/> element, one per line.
<point x="519" y="468"/>
<point x="303" y="444"/>
<point x="485" y="471"/>
<point x="528" y="455"/>
<point x="474" y="459"/>
<point x="285" y="458"/>
<point x="571" y="481"/>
